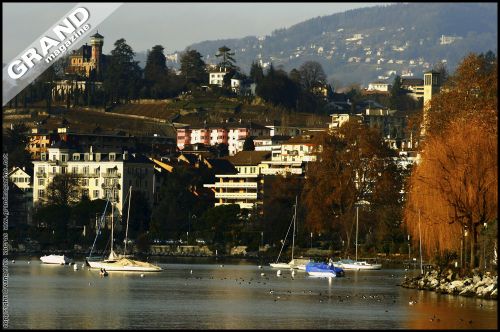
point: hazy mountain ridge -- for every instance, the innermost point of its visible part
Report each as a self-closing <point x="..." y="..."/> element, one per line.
<point x="374" y="43"/>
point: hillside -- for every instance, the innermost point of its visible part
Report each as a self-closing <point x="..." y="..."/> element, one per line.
<point x="375" y="43"/>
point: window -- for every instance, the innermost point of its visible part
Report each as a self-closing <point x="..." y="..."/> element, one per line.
<point x="96" y="182"/>
<point x="76" y="157"/>
<point x="86" y="170"/>
<point x="41" y="193"/>
<point x="41" y="182"/>
<point x="85" y="193"/>
<point x="85" y="182"/>
<point x="96" y="193"/>
<point x="63" y="157"/>
<point x="63" y="170"/>
<point x="74" y="170"/>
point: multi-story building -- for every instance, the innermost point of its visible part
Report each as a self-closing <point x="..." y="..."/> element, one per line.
<point x="238" y="132"/>
<point x="391" y="124"/>
<point x="301" y="148"/>
<point x="100" y="175"/>
<point x="40" y="139"/>
<point x="232" y="134"/>
<point x="415" y="86"/>
<point x="244" y="187"/>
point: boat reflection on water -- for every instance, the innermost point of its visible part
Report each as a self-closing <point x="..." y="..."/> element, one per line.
<point x="225" y="295"/>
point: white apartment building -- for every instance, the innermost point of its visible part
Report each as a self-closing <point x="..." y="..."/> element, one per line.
<point x="246" y="188"/>
<point x="100" y="175"/>
<point x="379" y="86"/>
<point x="297" y="149"/>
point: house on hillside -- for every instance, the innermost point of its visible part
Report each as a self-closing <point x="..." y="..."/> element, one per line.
<point x="216" y="77"/>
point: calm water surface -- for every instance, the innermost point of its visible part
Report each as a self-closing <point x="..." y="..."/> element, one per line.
<point x="229" y="295"/>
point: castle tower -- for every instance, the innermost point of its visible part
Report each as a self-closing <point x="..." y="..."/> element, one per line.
<point x="432" y="86"/>
<point x="96" y="42"/>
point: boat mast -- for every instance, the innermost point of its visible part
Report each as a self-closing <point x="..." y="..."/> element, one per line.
<point x="294" y="222"/>
<point x="128" y="215"/>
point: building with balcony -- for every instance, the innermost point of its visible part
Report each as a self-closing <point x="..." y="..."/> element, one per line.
<point x="100" y="175"/>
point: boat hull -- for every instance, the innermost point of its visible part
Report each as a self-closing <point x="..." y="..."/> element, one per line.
<point x="324" y="270"/>
<point x="327" y="274"/>
<point x="126" y="265"/>
<point x="55" y="259"/>
<point x="280" y="265"/>
<point x="359" y="266"/>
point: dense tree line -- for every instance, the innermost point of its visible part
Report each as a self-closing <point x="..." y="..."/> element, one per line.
<point x="453" y="191"/>
<point x="354" y="169"/>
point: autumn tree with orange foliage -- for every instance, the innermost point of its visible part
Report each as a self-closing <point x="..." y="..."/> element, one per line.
<point x="454" y="186"/>
<point x="353" y="165"/>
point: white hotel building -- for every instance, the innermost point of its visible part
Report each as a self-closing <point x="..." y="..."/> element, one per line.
<point x="101" y="175"/>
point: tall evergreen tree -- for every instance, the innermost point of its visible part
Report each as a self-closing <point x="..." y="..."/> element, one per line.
<point x="228" y="61"/>
<point x="155" y="72"/>
<point x="123" y="74"/>
<point x="193" y="68"/>
<point x="256" y="72"/>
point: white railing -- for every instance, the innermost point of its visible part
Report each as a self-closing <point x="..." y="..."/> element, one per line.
<point x="246" y="185"/>
<point x="236" y="195"/>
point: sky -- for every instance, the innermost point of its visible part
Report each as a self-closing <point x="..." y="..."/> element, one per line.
<point x="172" y="25"/>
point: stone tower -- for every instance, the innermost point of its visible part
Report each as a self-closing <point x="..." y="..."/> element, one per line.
<point x="96" y="42"/>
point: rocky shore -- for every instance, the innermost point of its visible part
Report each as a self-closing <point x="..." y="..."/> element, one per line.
<point x="477" y="284"/>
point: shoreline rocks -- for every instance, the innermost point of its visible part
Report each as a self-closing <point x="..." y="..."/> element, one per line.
<point x="448" y="282"/>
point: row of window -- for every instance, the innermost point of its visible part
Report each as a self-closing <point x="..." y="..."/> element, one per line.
<point x="20" y="180"/>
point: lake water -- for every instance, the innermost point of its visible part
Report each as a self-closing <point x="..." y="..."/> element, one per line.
<point x="229" y="295"/>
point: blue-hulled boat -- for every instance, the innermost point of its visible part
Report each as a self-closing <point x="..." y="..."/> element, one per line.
<point x="324" y="270"/>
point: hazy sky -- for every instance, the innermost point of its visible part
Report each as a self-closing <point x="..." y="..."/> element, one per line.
<point x="173" y="25"/>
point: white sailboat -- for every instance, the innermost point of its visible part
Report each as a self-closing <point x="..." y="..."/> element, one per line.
<point x="349" y="264"/>
<point x="295" y="263"/>
<point x="122" y="262"/>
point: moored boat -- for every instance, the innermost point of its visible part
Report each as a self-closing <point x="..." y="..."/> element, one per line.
<point x="324" y="270"/>
<point x="55" y="259"/>
<point x="120" y="262"/>
<point x="349" y="264"/>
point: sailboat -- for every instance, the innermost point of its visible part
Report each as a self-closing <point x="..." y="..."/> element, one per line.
<point x="349" y="264"/>
<point x="121" y="262"/>
<point x="295" y="263"/>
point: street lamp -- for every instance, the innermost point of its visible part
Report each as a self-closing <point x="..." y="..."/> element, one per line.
<point x="409" y="250"/>
<point x="484" y="243"/>
<point x="311" y="240"/>
<point x="465" y="246"/>
<point x="262" y="239"/>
